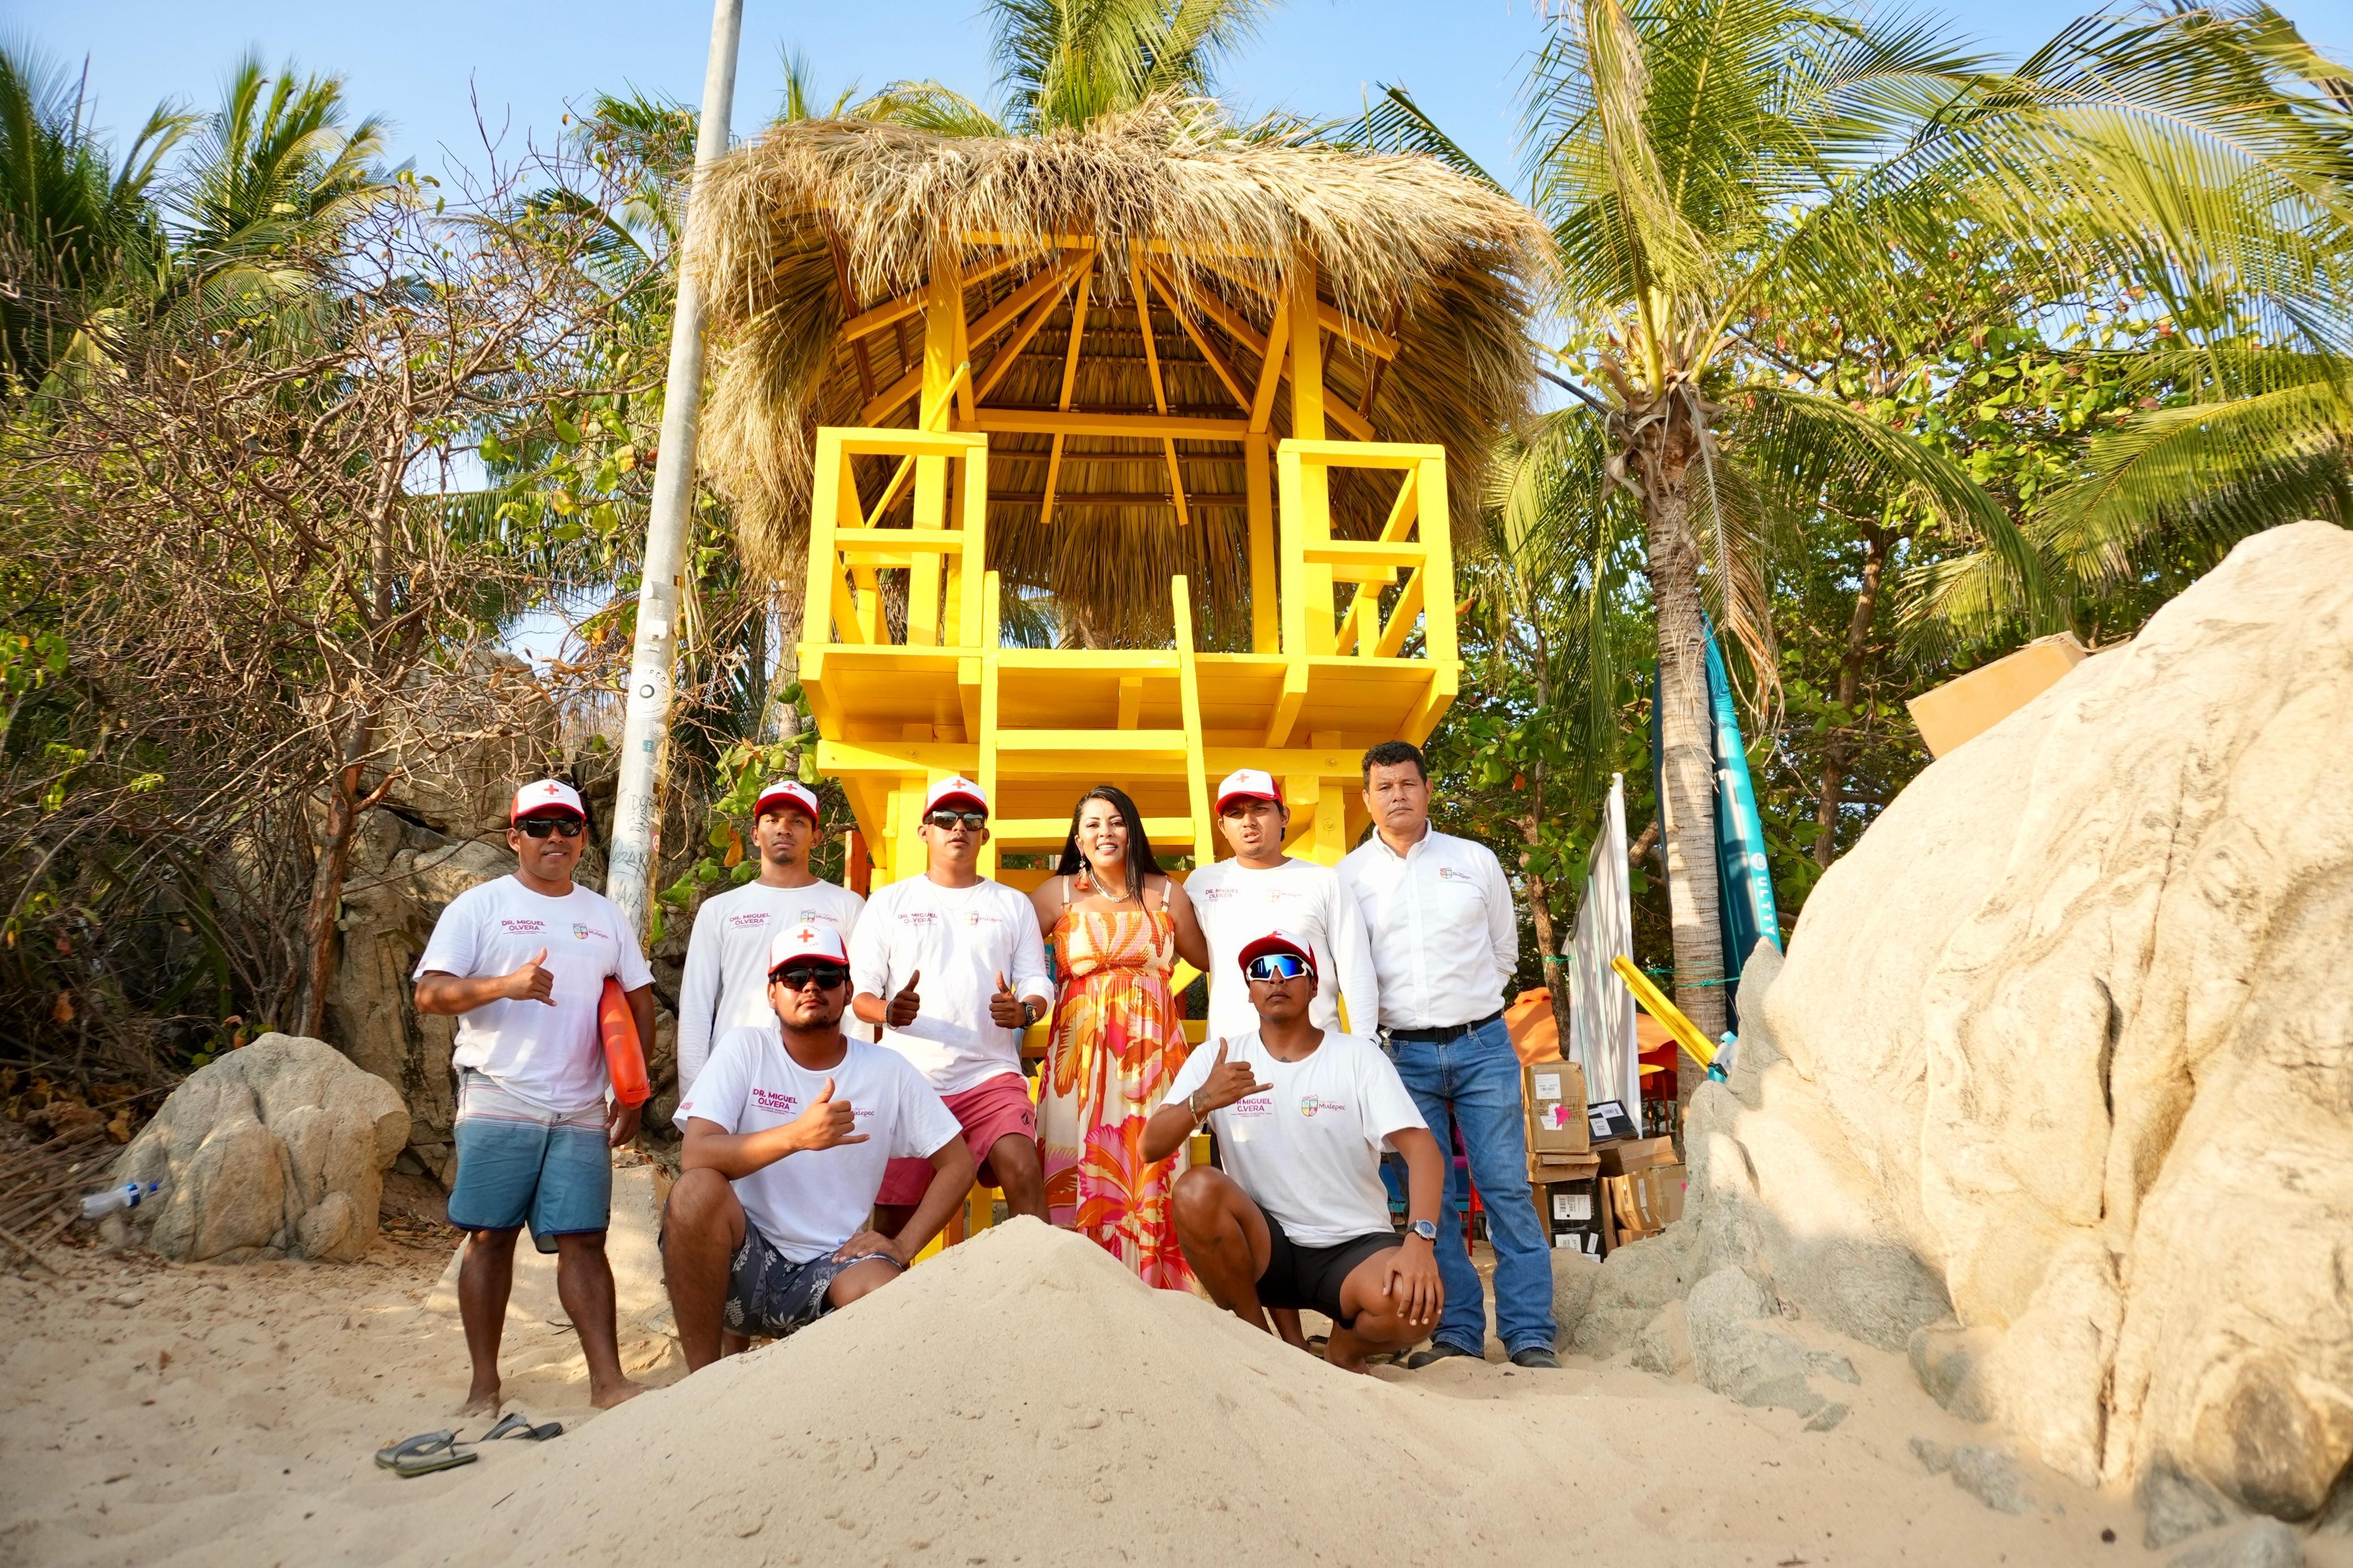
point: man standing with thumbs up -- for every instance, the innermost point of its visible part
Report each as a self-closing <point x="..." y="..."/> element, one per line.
<point x="788" y="1130"/>
<point x="953" y="967"/>
<point x="520" y="962"/>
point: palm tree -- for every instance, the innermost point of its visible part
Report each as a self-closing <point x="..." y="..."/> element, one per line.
<point x="77" y="233"/>
<point x="1702" y="161"/>
<point x="1062" y="63"/>
<point x="274" y="176"/>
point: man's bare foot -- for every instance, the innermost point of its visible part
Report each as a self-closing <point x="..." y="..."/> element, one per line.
<point x="615" y="1394"/>
<point x="481" y="1401"/>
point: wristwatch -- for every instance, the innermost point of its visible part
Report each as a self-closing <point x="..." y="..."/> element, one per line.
<point x="1427" y="1229"/>
<point x="1029" y="1017"/>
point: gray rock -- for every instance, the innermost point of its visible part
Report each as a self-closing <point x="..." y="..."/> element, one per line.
<point x="1828" y="1416"/>
<point x="278" y="1150"/>
<point x="1573" y="1276"/>
<point x="1663" y="1347"/>
<point x="1944" y="1358"/>
<point x="1736" y="1354"/>
<point x="1866" y="1290"/>
<point x="2175" y="1506"/>
<point x="1989" y="1475"/>
<point x="2265" y="1543"/>
<point x="1631" y="1285"/>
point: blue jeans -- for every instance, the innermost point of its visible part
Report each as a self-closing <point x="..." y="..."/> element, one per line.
<point x="1473" y="1082"/>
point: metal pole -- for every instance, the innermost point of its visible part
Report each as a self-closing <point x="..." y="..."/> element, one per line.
<point x="628" y="877"/>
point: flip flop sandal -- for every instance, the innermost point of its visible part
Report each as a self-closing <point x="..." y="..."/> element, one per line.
<point x="513" y="1425"/>
<point x="424" y="1454"/>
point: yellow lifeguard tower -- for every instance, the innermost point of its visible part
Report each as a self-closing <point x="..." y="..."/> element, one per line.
<point x="1204" y="405"/>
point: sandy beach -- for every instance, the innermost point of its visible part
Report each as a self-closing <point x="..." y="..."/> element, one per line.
<point x="1018" y="1400"/>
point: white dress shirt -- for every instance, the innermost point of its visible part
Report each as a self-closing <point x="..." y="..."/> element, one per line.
<point x="1444" y="939"/>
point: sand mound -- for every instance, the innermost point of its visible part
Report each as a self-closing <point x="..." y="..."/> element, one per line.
<point x="1022" y="1393"/>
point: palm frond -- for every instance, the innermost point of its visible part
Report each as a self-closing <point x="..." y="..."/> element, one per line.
<point x="927" y="105"/>
<point x="2269" y="443"/>
<point x="1394" y="122"/>
<point x="1799" y="447"/>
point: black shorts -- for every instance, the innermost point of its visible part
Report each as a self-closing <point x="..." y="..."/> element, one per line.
<point x="1310" y="1277"/>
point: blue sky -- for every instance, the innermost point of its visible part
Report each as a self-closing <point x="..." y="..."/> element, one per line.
<point x="423" y="63"/>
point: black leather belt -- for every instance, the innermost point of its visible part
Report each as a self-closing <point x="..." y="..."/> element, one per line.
<point x="1451" y="1032"/>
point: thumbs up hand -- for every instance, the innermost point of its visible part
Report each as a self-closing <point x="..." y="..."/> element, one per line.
<point x="1228" y="1083"/>
<point x="827" y="1123"/>
<point x="906" y="1004"/>
<point x="534" y="982"/>
<point x="1005" y="1009"/>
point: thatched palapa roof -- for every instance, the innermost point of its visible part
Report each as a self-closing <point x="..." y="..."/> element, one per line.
<point x="817" y="224"/>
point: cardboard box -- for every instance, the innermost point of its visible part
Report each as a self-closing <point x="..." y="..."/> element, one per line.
<point x="1547" y="1168"/>
<point x="1554" y="1094"/>
<point x="1624" y="1156"/>
<point x="1572" y="1213"/>
<point x="1645" y="1202"/>
<point x="1968" y="707"/>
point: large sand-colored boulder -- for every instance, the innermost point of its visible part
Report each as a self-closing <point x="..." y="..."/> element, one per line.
<point x="278" y="1150"/>
<point x="2067" y="1042"/>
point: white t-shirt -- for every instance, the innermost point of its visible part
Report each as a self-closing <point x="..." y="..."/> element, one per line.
<point x="808" y="1204"/>
<point x="551" y="1056"/>
<point x="1308" y="1151"/>
<point x="956" y="940"/>
<point x="725" y="985"/>
<point x="1236" y="906"/>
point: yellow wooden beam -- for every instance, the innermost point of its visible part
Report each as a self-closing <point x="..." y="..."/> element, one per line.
<point x="1127" y="742"/>
<point x="901" y="540"/>
<point x="986" y="733"/>
<point x="1006" y="310"/>
<point x="1189" y="702"/>
<point x="1041" y="295"/>
<point x="882" y="404"/>
<point x="1159" y="391"/>
<point x="1036" y="319"/>
<point x="1078" y="422"/>
<point x="891" y="311"/>
<point x="1266" y="630"/>
<point x="1269" y="370"/>
<point x="1374" y="342"/>
<point x="1215" y="362"/>
<point x="1306" y="354"/>
<point x="1131" y="700"/>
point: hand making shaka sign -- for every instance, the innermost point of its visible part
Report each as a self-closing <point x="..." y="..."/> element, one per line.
<point x="1228" y="1083"/>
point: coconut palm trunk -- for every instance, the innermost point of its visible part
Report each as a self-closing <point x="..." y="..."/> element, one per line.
<point x="1664" y="452"/>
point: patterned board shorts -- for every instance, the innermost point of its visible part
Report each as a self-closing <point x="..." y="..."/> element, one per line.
<point x="520" y="1164"/>
<point x="769" y="1295"/>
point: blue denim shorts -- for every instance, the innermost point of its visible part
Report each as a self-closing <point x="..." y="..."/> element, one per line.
<point x="519" y="1165"/>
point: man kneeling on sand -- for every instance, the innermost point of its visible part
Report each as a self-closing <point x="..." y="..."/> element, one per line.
<point x="788" y="1131"/>
<point x="1299" y="1216"/>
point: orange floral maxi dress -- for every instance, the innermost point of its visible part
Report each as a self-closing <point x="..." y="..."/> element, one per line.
<point x="1117" y="1042"/>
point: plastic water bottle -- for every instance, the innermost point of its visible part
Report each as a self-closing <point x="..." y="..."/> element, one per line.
<point x="1717" y="1070"/>
<point x="129" y="1195"/>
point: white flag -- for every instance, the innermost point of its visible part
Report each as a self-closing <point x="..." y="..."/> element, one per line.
<point x="1601" y="1010"/>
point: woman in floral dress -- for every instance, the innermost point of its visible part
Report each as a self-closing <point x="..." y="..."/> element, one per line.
<point x="1117" y="924"/>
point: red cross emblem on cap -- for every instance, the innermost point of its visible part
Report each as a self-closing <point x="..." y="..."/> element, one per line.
<point x="551" y="789"/>
<point x="807" y="933"/>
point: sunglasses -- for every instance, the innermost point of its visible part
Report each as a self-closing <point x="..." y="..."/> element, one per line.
<point x="795" y="976"/>
<point x="541" y="827"/>
<point x="975" y="820"/>
<point x="1275" y="966"/>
